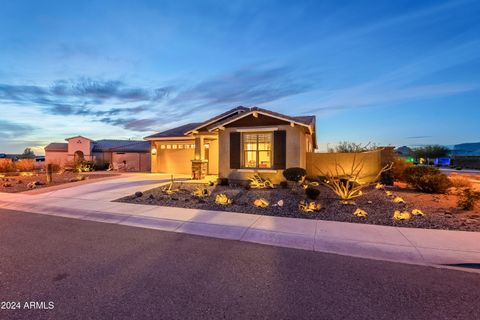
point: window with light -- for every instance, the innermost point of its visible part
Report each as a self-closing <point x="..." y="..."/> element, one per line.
<point x="257" y="150"/>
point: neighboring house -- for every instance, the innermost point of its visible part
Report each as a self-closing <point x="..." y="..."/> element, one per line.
<point x="467" y="149"/>
<point x="129" y="155"/>
<point x="235" y="145"/>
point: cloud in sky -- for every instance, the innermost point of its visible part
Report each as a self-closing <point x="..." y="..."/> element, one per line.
<point x="111" y="69"/>
<point x="142" y="109"/>
<point x="11" y="129"/>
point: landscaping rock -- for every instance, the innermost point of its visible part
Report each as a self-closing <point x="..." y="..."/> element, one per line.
<point x="7" y="184"/>
<point x="138" y="194"/>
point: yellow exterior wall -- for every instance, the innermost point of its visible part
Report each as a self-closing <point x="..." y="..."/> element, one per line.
<point x="319" y="164"/>
<point x="296" y="155"/>
<point x="213" y="156"/>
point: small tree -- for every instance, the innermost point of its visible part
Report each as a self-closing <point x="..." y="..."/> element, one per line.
<point x="28" y="153"/>
<point x="352" y="147"/>
<point x="430" y="152"/>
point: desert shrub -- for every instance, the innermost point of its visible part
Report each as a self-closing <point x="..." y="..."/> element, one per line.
<point x="427" y="179"/>
<point x="101" y="166"/>
<point x="459" y="181"/>
<point x="387" y="178"/>
<point x="294" y="174"/>
<point x="84" y="166"/>
<point x="467" y="199"/>
<point x="284" y="184"/>
<point x="399" y="167"/>
<point x="55" y="167"/>
<point x="25" y="165"/>
<point x="312" y="193"/>
<point x="223" y="181"/>
<point x="6" y="165"/>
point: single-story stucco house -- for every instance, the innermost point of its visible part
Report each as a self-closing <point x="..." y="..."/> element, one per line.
<point x="129" y="155"/>
<point x="235" y="145"/>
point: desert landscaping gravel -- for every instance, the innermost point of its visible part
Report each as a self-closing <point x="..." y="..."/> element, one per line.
<point x="379" y="206"/>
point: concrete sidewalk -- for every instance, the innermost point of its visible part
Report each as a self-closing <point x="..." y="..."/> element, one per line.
<point x="409" y="245"/>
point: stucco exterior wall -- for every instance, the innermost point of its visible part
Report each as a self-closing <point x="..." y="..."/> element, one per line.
<point x="296" y="155"/>
<point x="56" y="157"/>
<point x="134" y="161"/>
<point x="319" y="164"/>
<point x="79" y="144"/>
<point x="213" y="156"/>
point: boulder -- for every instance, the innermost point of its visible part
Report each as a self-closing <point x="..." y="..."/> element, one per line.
<point x="138" y="194"/>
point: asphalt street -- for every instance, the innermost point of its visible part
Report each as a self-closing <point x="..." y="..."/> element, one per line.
<point x="74" y="269"/>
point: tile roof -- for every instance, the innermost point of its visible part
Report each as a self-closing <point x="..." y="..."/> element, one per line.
<point x="57" y="146"/>
<point x="107" y="145"/>
<point x="220" y="117"/>
<point x="306" y="120"/>
<point x="176" y="132"/>
<point x="121" y="146"/>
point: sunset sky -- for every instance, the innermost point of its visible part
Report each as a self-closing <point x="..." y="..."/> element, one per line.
<point x="390" y="72"/>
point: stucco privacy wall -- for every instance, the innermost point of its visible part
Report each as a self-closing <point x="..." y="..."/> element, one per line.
<point x="134" y="161"/>
<point x="56" y="157"/>
<point x="295" y="144"/>
<point x="318" y="164"/>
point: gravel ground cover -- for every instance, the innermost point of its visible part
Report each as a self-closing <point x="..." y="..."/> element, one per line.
<point x="376" y="203"/>
<point x="21" y="183"/>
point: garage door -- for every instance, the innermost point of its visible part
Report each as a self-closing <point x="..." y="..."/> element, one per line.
<point x="175" y="158"/>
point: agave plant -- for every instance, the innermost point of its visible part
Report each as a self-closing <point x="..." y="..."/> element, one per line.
<point x="360" y="213"/>
<point x="262" y="203"/>
<point x="417" y="212"/>
<point x="257" y="182"/>
<point x="398" y="215"/>
<point x="200" y="192"/>
<point x="398" y="200"/>
<point x="222" y="199"/>
<point x="311" y="206"/>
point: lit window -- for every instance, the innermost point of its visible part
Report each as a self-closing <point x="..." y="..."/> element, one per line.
<point x="162" y="146"/>
<point x="257" y="150"/>
<point x="180" y="146"/>
<point x="192" y="146"/>
<point x="174" y="146"/>
<point x="169" y="146"/>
